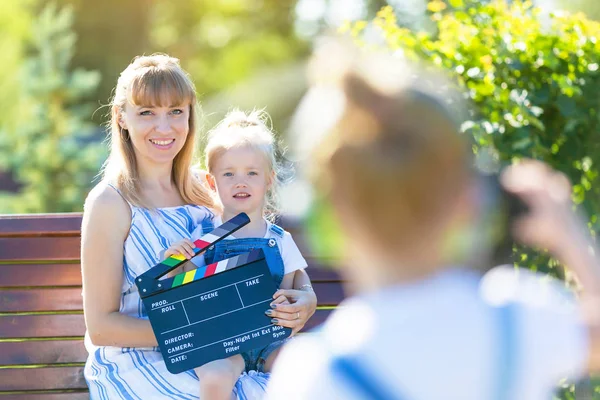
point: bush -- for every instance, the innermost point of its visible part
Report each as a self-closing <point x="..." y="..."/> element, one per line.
<point x="533" y="80"/>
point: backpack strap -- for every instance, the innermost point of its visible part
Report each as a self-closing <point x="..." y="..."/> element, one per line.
<point x="506" y="354"/>
<point x="365" y="382"/>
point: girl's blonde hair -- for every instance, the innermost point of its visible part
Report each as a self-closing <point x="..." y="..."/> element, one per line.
<point x="241" y="129"/>
<point x="157" y="80"/>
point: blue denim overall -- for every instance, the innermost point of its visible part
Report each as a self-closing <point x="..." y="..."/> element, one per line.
<point x="254" y="359"/>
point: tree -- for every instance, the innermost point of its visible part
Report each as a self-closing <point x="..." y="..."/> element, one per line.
<point x="110" y="33"/>
<point x="15" y="23"/>
<point x="47" y="148"/>
<point x="221" y="43"/>
<point x="236" y="51"/>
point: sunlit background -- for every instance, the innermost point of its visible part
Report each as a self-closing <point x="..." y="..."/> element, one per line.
<point x="530" y="71"/>
<point x="61" y="59"/>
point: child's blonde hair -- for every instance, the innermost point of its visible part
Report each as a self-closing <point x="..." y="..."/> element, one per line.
<point x="395" y="155"/>
<point x="241" y="129"/>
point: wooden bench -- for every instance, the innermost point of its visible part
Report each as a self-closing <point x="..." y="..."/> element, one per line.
<point x="41" y="319"/>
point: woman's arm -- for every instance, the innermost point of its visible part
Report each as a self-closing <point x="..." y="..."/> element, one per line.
<point x="106" y="223"/>
<point x="288" y="281"/>
<point x="302" y="280"/>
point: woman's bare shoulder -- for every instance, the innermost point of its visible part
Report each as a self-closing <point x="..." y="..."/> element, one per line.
<point x="104" y="206"/>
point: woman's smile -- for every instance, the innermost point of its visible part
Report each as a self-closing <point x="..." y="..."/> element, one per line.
<point x="162" y="144"/>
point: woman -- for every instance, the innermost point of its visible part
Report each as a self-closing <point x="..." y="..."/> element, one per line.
<point x="421" y="327"/>
<point x="148" y="198"/>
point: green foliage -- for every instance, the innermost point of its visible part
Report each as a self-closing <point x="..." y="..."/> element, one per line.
<point x="15" y="23"/>
<point x="533" y="82"/>
<point x="48" y="147"/>
<point x="237" y="52"/>
<point x="110" y="33"/>
<point x="223" y="42"/>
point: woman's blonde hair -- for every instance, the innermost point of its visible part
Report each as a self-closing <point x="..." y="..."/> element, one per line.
<point x="241" y="129"/>
<point x="156" y="80"/>
<point x="395" y="156"/>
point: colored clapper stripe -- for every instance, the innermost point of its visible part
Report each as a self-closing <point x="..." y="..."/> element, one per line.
<point x="189" y="277"/>
<point x="172" y="261"/>
<point x="200" y="243"/>
<point x="213" y="269"/>
<point x="210" y="269"/>
<point x="178" y="280"/>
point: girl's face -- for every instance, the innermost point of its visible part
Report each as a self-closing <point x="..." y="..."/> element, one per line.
<point x="241" y="176"/>
<point x="157" y="133"/>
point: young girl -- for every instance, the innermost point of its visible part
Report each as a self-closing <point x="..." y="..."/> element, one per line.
<point x="243" y="171"/>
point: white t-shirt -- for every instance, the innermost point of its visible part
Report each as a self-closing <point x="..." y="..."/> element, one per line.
<point x="292" y="258"/>
<point x="437" y="339"/>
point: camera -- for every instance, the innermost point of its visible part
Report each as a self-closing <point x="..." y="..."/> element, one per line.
<point x="500" y="209"/>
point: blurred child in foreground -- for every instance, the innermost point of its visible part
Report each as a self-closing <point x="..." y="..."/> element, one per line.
<point x="421" y="326"/>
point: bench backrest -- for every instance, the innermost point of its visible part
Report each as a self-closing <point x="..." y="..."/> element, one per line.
<point x="41" y="318"/>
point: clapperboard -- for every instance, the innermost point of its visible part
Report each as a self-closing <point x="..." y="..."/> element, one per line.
<point x="211" y="312"/>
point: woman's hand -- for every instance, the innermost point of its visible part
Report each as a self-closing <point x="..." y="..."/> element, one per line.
<point x="301" y="306"/>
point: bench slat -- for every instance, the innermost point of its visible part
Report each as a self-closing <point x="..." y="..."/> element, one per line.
<point x="38" y="326"/>
<point x="317" y="319"/>
<point x="59" y="351"/>
<point x="66" y="224"/>
<point x="328" y="293"/>
<point x="40" y="275"/>
<point x="40" y="249"/>
<point x="70" y="299"/>
<point x="59" y="325"/>
<point x="23" y="300"/>
<point x="42" y="352"/>
<point x="47" y="396"/>
<point x="42" y="378"/>
<point x="321" y="272"/>
<point x="61" y="274"/>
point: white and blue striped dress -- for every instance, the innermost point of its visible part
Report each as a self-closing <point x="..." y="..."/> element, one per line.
<point x="140" y="373"/>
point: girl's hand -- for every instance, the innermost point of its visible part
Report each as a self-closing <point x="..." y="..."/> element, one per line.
<point x="550" y="222"/>
<point x="294" y="315"/>
<point x="184" y="247"/>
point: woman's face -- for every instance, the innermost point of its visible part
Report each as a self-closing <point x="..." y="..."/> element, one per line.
<point x="157" y="133"/>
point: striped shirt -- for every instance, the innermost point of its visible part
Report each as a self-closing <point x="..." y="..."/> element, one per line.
<point x="140" y="373"/>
